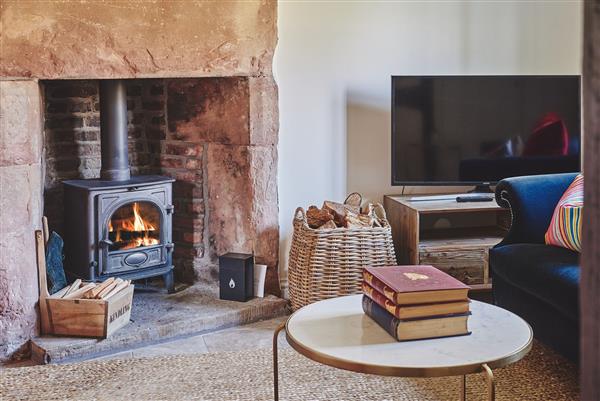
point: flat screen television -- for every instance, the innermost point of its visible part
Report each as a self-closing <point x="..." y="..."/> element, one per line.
<point x="477" y="130"/>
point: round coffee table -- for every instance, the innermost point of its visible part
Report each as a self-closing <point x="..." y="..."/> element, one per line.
<point x="337" y="333"/>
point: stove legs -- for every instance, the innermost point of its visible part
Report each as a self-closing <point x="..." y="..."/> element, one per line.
<point x="169" y="282"/>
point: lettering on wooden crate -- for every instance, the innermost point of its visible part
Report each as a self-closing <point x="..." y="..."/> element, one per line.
<point x="117" y="314"/>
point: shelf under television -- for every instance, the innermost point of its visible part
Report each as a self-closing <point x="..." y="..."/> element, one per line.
<point x="462" y="237"/>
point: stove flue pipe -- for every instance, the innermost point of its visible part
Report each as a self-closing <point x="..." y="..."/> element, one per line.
<point x="113" y="130"/>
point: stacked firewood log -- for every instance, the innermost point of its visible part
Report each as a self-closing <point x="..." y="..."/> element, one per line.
<point x="81" y="290"/>
<point x="342" y="215"/>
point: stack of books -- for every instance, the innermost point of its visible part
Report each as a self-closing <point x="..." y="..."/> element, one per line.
<point x="416" y="302"/>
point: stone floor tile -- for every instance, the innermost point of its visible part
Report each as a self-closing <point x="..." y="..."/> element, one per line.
<point x="192" y="345"/>
<point x="251" y="336"/>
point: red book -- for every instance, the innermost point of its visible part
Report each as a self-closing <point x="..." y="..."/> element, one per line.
<point x="415" y="311"/>
<point x="410" y="285"/>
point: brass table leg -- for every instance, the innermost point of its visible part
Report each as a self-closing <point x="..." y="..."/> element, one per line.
<point x="463" y="388"/>
<point x="275" y="361"/>
<point x="491" y="384"/>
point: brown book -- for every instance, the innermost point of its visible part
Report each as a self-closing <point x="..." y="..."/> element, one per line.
<point x="415" y="311"/>
<point x="410" y="285"/>
<point x="416" y="329"/>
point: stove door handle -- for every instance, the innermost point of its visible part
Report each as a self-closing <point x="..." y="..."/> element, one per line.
<point x="106" y="243"/>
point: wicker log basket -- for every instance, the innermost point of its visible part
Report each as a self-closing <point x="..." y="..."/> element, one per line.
<point x="328" y="263"/>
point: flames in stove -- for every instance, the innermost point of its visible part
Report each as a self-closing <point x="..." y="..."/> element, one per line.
<point x="134" y="226"/>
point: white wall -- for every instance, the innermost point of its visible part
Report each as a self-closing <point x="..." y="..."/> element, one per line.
<point x="333" y="65"/>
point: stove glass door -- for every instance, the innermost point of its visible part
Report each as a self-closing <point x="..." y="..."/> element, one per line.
<point x="134" y="230"/>
<point x="134" y="225"/>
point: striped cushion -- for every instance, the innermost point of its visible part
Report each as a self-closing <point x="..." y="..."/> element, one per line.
<point x="565" y="226"/>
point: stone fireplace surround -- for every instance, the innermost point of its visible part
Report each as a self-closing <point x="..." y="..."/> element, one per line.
<point x="202" y="109"/>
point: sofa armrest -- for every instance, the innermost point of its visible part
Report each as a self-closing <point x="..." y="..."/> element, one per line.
<point x="531" y="200"/>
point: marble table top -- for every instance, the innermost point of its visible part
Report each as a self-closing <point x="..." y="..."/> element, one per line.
<point x="336" y="332"/>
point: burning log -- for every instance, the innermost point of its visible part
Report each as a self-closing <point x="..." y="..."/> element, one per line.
<point x="132" y="231"/>
<point x="129" y="236"/>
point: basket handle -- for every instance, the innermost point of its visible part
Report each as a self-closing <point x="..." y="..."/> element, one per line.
<point x="354" y="194"/>
<point x="300" y="216"/>
<point x="379" y="211"/>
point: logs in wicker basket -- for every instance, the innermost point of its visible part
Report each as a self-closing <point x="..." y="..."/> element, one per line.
<point x="330" y="247"/>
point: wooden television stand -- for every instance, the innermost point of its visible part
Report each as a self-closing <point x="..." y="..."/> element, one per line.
<point x="453" y="236"/>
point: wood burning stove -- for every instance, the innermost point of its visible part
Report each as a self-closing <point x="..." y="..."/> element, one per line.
<point x="118" y="225"/>
<point x="119" y="228"/>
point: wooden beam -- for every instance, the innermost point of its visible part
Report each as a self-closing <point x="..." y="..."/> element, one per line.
<point x="590" y="269"/>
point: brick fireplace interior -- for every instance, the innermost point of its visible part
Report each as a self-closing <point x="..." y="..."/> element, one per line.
<point x="202" y="109"/>
<point x="72" y="150"/>
<point x="176" y="127"/>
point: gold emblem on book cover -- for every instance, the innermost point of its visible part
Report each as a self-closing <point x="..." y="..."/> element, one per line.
<point x="416" y="276"/>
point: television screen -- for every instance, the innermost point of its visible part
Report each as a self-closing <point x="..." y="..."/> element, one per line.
<point x="480" y="129"/>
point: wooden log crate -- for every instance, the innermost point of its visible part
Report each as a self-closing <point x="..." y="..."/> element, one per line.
<point x="80" y="317"/>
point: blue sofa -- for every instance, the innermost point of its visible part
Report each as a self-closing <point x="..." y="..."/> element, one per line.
<point x="538" y="282"/>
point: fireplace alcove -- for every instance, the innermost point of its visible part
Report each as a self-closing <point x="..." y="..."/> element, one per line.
<point x="196" y="131"/>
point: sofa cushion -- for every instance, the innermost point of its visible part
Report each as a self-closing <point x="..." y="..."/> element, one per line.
<point x="565" y="226"/>
<point x="546" y="272"/>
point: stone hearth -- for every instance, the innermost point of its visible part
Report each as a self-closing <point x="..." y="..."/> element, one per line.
<point x="202" y="109"/>
<point x="157" y="318"/>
